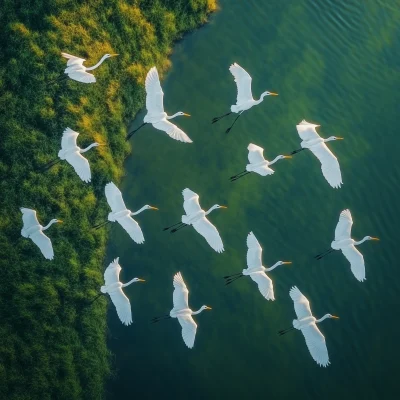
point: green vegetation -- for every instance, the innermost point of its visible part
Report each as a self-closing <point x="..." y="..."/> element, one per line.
<point x="52" y="346"/>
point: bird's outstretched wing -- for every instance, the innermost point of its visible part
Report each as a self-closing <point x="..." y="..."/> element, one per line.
<point x="68" y="139"/>
<point x="111" y="274"/>
<point x="114" y="197"/>
<point x="154" y="93"/>
<point x="255" y="153"/>
<point x="254" y="252"/>
<point x="316" y="344"/>
<point x="243" y="83"/>
<point x="190" y="202"/>
<point x="73" y="60"/>
<point x="133" y="228"/>
<point x="189" y="328"/>
<point x="329" y="164"/>
<point x="343" y="228"/>
<point x="264" y="170"/>
<point x="44" y="244"/>
<point x="356" y="260"/>
<point x="172" y="131"/>
<point x="82" y="76"/>
<point x="80" y="165"/>
<point x="181" y="293"/>
<point x="301" y="304"/>
<point x="265" y="285"/>
<point x="307" y="131"/>
<point x="122" y="305"/>
<point x="29" y="217"/>
<point x="210" y="233"/>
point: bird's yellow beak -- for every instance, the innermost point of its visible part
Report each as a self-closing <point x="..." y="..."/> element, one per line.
<point x="223" y="207"/>
<point x="153" y="208"/>
<point x="102" y="144"/>
<point x="273" y="94"/>
<point x="208" y="308"/>
<point x="186" y="115"/>
<point x="114" y="55"/>
<point x="339" y="138"/>
<point x="141" y="280"/>
<point x="287" y="262"/>
<point x="287" y="157"/>
<point x="374" y="238"/>
<point x="334" y="316"/>
<point x="59" y="221"/>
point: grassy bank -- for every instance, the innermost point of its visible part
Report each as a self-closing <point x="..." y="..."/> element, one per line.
<point x="52" y="347"/>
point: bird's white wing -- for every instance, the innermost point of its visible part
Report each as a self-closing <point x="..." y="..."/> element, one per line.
<point x="210" y="233"/>
<point x="44" y="244"/>
<point x="154" y="93"/>
<point x="82" y="76"/>
<point x="243" y="83"/>
<point x="254" y="252"/>
<point x="316" y="344"/>
<point x="343" y="228"/>
<point x="68" y="139"/>
<point x="181" y="293"/>
<point x="255" y="153"/>
<point x="81" y="166"/>
<point x="301" y="304"/>
<point x="133" y="228"/>
<point x="191" y="202"/>
<point x="122" y="305"/>
<point x="172" y="131"/>
<point x="307" y="131"/>
<point x="111" y="274"/>
<point x="73" y="60"/>
<point x="189" y="328"/>
<point x="114" y="197"/>
<point x="29" y="217"/>
<point x="265" y="285"/>
<point x="264" y="170"/>
<point x="329" y="164"/>
<point x="356" y="260"/>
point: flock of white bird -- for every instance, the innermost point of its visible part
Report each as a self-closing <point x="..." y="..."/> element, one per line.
<point x="197" y="217"/>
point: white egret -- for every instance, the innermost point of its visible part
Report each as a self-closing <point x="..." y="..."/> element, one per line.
<point x="34" y="231"/>
<point x="256" y="270"/>
<point x="182" y="311"/>
<point x="72" y="154"/>
<point x="344" y="242"/>
<point x="114" y="288"/>
<point x="258" y="163"/>
<point x="78" y="72"/>
<point x="122" y="215"/>
<point x="244" y="96"/>
<point x="307" y="324"/>
<point x="155" y="110"/>
<point x="329" y="163"/>
<point x="197" y="217"/>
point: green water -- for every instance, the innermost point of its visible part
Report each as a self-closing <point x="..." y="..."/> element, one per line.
<point x="332" y="62"/>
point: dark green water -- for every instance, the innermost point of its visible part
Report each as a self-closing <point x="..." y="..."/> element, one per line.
<point x="332" y="62"/>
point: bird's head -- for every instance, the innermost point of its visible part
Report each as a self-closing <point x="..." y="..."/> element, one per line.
<point x="138" y="280"/>
<point x="332" y="316"/>
<point x="218" y="206"/>
<point x="182" y="114"/>
<point x="372" y="238"/>
<point x="206" y="308"/>
<point x="284" y="262"/>
<point x="147" y="207"/>
<point x="281" y="157"/>
<point x="110" y="55"/>
<point x="96" y="144"/>
<point x="334" y="138"/>
<point x="56" y="221"/>
<point x="269" y="94"/>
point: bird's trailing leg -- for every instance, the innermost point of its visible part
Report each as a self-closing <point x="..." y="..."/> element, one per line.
<point x="50" y="164"/>
<point x="59" y="79"/>
<point x="216" y="119"/>
<point x="179" y="228"/>
<point x="233" y="123"/>
<point x="100" y="225"/>
<point x="169" y="227"/>
<point x="283" y="331"/>
<point x="130" y="134"/>
<point x="232" y="278"/>
<point x="238" y="176"/>
<point x="325" y="253"/>
<point x="157" y="319"/>
<point x="297" y="151"/>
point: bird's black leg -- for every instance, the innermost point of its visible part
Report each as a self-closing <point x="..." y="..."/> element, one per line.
<point x="157" y="319"/>
<point x="230" y="280"/>
<point x="297" y="151"/>
<point x="230" y="276"/>
<point x="100" y="225"/>
<point x="319" y="256"/>
<point x="216" y="119"/>
<point x="169" y="227"/>
<point x="179" y="228"/>
<point x="283" y="331"/>
<point x="240" y="173"/>
<point x="241" y="176"/>
<point x="60" y="78"/>
<point x="233" y="123"/>
<point x="130" y="134"/>
<point x="49" y="165"/>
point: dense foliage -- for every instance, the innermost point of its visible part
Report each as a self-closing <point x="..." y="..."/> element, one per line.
<point x="53" y="346"/>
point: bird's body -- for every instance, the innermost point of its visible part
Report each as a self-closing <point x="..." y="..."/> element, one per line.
<point x="119" y="213"/>
<point x="155" y="109"/>
<point x="307" y="324"/>
<point x="196" y="217"/>
<point x="78" y="72"/>
<point x="34" y="231"/>
<point x="257" y="162"/>
<point x="346" y="244"/>
<point x="311" y="140"/>
<point x="182" y="312"/>
<point x="73" y="154"/>
<point x="113" y="287"/>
